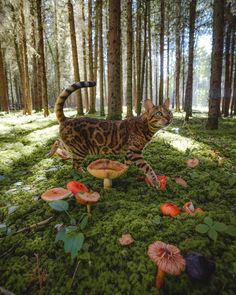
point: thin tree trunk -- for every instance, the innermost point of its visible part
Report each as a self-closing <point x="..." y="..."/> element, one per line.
<point x="227" y="82"/>
<point x="4" y="100"/>
<point x="183" y="66"/>
<point x="233" y="78"/>
<point x="78" y="94"/>
<point x="42" y="69"/>
<point x="86" y="98"/>
<point x="96" y="47"/>
<point x="138" y="58"/>
<point x="92" y="92"/>
<point x="189" y="86"/>
<point x="216" y="64"/>
<point x="168" y="54"/>
<point x="150" y="50"/>
<point x="177" y="56"/>
<point x="57" y="52"/>
<point x="101" y="57"/>
<point x="161" y="79"/>
<point x="114" y="42"/>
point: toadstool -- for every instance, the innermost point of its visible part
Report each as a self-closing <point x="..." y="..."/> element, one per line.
<point x="192" y="163"/>
<point x="170" y="209"/>
<point x="126" y="240"/>
<point x="168" y="260"/>
<point x="106" y="170"/>
<point x="76" y="187"/>
<point x="56" y="193"/>
<point x="87" y="198"/>
<point x="189" y="209"/>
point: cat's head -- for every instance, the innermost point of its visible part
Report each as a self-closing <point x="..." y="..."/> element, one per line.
<point x="157" y="115"/>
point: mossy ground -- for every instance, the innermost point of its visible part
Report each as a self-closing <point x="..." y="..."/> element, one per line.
<point x="129" y="207"/>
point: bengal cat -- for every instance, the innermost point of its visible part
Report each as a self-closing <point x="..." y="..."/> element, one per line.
<point x="85" y="136"/>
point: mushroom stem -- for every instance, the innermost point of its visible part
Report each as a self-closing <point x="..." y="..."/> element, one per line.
<point x="107" y="183"/>
<point x="160" y="278"/>
<point x="89" y="209"/>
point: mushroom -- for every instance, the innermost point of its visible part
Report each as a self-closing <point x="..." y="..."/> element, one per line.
<point x="168" y="260"/>
<point x="192" y="163"/>
<point x="107" y="170"/>
<point x="87" y="198"/>
<point x="189" y="209"/>
<point x="76" y="187"/>
<point x="59" y="148"/>
<point x="170" y="209"/>
<point x="56" y="193"/>
<point x="126" y="240"/>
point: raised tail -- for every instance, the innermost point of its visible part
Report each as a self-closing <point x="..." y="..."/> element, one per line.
<point x="64" y="95"/>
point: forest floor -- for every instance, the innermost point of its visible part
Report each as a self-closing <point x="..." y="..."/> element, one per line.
<point x="32" y="262"/>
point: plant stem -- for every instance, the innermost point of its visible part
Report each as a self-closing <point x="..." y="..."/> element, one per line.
<point x="160" y="278"/>
<point x="107" y="183"/>
<point x="76" y="268"/>
<point x="89" y="209"/>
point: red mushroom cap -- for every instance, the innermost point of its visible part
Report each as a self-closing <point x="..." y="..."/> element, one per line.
<point x="167" y="257"/>
<point x="56" y="193"/>
<point x="87" y="198"/>
<point x="170" y="209"/>
<point x="76" y="187"/>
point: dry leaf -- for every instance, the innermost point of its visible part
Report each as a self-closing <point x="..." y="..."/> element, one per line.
<point x="126" y="240"/>
<point x="192" y="163"/>
<point x="181" y="181"/>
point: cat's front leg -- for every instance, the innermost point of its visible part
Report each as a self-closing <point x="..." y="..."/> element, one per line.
<point x="135" y="155"/>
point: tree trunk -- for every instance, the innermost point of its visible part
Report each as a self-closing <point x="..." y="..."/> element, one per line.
<point x="138" y="58"/>
<point x="57" y="52"/>
<point x="86" y="99"/>
<point x="42" y="69"/>
<point x="177" y="56"/>
<point x="216" y="64"/>
<point x="161" y="79"/>
<point x="227" y="82"/>
<point x="183" y="66"/>
<point x="189" y="86"/>
<point x="150" y="50"/>
<point x="96" y="46"/>
<point x="92" y="92"/>
<point x="129" y="97"/>
<point x="4" y="100"/>
<point x="114" y="60"/>
<point x="80" y="111"/>
<point x="168" y="53"/>
<point x="101" y="57"/>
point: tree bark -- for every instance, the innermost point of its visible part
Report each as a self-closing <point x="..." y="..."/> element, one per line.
<point x="86" y="98"/>
<point x="189" y="86"/>
<point x="161" y="78"/>
<point x="150" y="50"/>
<point x="57" y="52"/>
<point x="42" y="69"/>
<point x="168" y="53"/>
<point x="216" y="64"/>
<point x="101" y="57"/>
<point x="138" y="58"/>
<point x="78" y="94"/>
<point x="92" y="92"/>
<point x="114" y="43"/>
<point x="177" y="56"/>
<point x="4" y="100"/>
<point x="227" y="82"/>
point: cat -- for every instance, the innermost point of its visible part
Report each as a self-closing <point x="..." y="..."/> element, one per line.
<point x="85" y="136"/>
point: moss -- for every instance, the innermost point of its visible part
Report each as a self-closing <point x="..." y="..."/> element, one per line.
<point x="129" y="207"/>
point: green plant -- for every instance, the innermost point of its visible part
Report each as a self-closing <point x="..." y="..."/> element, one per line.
<point x="212" y="228"/>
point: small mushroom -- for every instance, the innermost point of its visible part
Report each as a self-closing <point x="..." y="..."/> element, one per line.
<point x="168" y="260"/>
<point x="106" y="170"/>
<point x="59" y="149"/>
<point x="56" y="193"/>
<point x="87" y="198"/>
<point x="192" y="163"/>
<point x="189" y="209"/>
<point x="76" y="187"/>
<point x="126" y="240"/>
<point x="170" y="209"/>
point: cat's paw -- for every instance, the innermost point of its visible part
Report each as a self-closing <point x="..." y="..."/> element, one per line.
<point x="151" y="181"/>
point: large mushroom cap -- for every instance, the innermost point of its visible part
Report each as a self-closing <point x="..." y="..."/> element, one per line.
<point x="76" y="187"/>
<point x="87" y="198"/>
<point x="167" y="257"/>
<point x="56" y="193"/>
<point x="105" y="168"/>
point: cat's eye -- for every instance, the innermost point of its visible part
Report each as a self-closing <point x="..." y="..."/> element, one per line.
<point x="159" y="113"/>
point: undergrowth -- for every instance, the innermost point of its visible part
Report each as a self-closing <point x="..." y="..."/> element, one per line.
<point x="32" y="262"/>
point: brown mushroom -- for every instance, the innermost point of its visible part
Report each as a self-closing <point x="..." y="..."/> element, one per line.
<point x="87" y="198"/>
<point x="126" y="240"/>
<point x="168" y="260"/>
<point x="56" y="193"/>
<point x="106" y="170"/>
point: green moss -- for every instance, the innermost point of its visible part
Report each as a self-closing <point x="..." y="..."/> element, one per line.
<point x="129" y="207"/>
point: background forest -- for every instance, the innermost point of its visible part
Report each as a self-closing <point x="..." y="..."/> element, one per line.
<point x="161" y="49"/>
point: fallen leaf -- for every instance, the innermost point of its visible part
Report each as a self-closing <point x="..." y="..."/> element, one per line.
<point x="126" y="240"/>
<point x="192" y="163"/>
<point x="181" y="181"/>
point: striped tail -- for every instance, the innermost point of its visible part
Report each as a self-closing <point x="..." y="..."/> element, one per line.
<point x="64" y="95"/>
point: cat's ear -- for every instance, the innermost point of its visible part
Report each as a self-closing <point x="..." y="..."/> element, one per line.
<point x="166" y="104"/>
<point x="148" y="105"/>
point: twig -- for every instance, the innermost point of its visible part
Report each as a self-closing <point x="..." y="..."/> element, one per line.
<point x="74" y="274"/>
<point x="38" y="271"/>
<point x="43" y="222"/>
<point x="5" y="291"/>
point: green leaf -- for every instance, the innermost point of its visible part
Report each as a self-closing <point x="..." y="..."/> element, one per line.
<point x="73" y="221"/>
<point x="202" y="228"/>
<point x="208" y="221"/>
<point x="231" y="230"/>
<point x="233" y="220"/>
<point x="232" y="180"/>
<point x="59" y="205"/>
<point x="72" y="244"/>
<point x="212" y="234"/>
<point x="3" y="227"/>
<point x="61" y="235"/>
<point x="157" y="220"/>
<point x="84" y="222"/>
<point x="12" y="209"/>
<point x="219" y="226"/>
